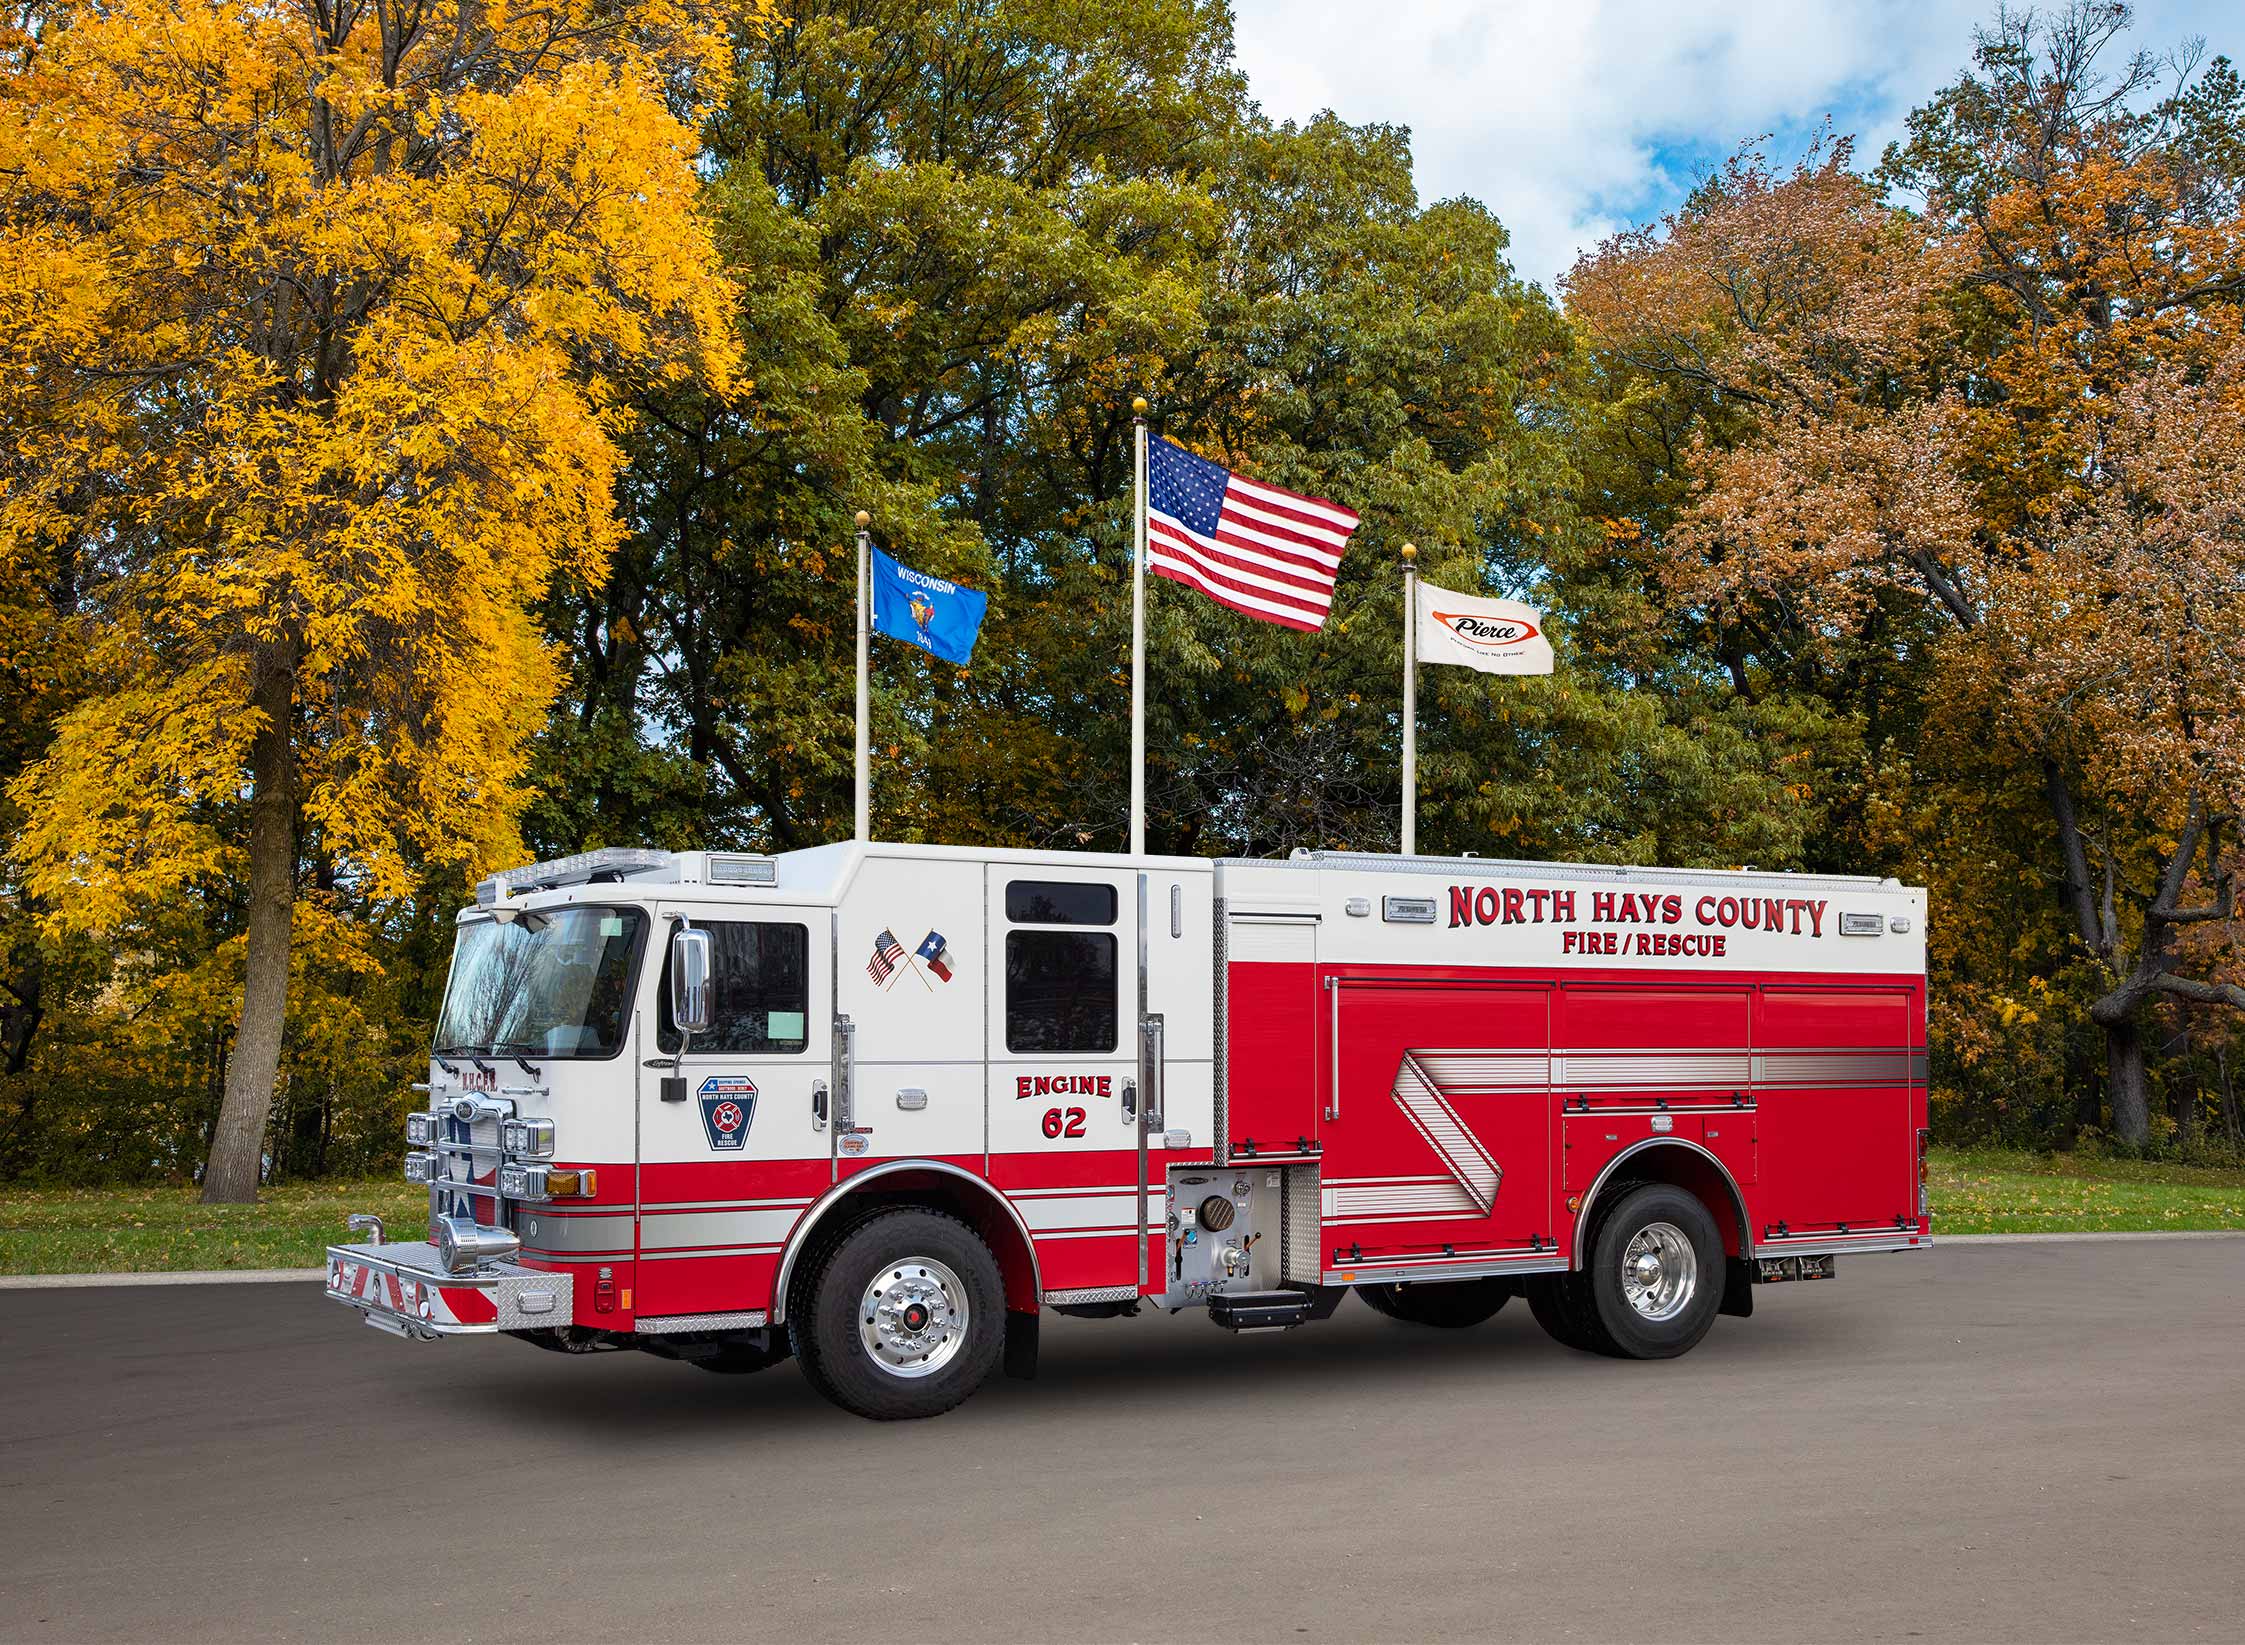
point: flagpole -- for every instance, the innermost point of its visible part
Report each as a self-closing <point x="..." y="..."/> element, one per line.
<point x="1138" y="637"/>
<point x="864" y="629"/>
<point x="1410" y="700"/>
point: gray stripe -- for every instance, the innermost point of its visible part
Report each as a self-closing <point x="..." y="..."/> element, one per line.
<point x="608" y="1232"/>
<point x="668" y="1230"/>
<point x="1460" y="1071"/>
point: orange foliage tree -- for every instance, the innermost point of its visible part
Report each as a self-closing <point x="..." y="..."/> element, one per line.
<point x="2017" y="411"/>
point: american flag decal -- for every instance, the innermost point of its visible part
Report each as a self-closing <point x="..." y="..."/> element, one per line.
<point x="888" y="954"/>
<point x="1269" y="553"/>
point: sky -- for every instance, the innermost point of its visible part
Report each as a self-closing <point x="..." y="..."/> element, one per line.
<point x="1573" y="118"/>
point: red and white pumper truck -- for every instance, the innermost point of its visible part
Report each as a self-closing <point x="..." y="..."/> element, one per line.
<point x="880" y="1107"/>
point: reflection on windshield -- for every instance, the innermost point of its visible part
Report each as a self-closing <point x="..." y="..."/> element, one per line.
<point x="548" y="985"/>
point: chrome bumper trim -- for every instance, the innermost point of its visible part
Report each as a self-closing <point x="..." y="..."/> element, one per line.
<point x="405" y="1289"/>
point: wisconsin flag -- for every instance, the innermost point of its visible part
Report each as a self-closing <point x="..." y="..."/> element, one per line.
<point x="939" y="617"/>
<point x="1495" y="636"/>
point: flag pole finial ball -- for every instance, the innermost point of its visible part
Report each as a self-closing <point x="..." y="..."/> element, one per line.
<point x="1410" y="553"/>
<point x="863" y="519"/>
<point x="1138" y="406"/>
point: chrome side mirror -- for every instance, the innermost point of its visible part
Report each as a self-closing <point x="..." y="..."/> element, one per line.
<point x="690" y="985"/>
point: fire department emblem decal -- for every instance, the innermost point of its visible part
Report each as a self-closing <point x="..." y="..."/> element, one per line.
<point x="728" y="1104"/>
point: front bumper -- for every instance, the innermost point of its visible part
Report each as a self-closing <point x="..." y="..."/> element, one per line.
<point x="405" y="1289"/>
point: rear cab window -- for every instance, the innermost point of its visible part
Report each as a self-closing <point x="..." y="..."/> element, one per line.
<point x="1061" y="985"/>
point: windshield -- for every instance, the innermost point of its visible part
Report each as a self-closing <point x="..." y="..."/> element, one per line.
<point x="556" y="984"/>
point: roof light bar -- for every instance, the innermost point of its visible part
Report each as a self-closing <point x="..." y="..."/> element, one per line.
<point x="576" y="870"/>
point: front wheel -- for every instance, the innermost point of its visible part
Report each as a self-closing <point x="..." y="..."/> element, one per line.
<point x="905" y="1318"/>
<point x="1451" y="1305"/>
<point x="1656" y="1274"/>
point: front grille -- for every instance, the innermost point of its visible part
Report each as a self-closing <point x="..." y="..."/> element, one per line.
<point x="465" y="1156"/>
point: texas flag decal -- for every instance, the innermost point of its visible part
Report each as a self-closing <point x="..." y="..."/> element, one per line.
<point x="937" y="953"/>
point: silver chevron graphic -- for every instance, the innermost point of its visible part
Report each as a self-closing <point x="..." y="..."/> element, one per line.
<point x="1460" y="1151"/>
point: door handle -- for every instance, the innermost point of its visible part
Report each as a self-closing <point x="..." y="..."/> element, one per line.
<point x="845" y="1074"/>
<point x="1152" y="1072"/>
<point x="818" y="1105"/>
<point x="1333" y="992"/>
<point x="1129" y="1100"/>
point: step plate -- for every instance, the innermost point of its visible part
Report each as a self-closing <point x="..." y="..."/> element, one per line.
<point x="1260" y="1310"/>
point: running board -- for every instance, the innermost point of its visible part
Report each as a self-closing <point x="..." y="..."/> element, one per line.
<point x="1261" y="1310"/>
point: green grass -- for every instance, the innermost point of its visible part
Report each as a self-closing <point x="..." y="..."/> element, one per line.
<point x="145" y="1230"/>
<point x="140" y="1230"/>
<point x="1995" y="1191"/>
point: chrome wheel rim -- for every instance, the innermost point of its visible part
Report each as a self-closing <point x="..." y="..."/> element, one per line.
<point x="1659" y="1271"/>
<point x="913" y="1318"/>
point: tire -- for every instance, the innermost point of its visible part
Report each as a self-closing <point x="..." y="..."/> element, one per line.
<point x="1560" y="1306"/>
<point x="870" y="1328"/>
<point x="741" y="1358"/>
<point x="1449" y="1305"/>
<point x="1656" y="1274"/>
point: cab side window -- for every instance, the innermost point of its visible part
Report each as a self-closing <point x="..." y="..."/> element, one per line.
<point x="762" y="1004"/>
<point x="1061" y="986"/>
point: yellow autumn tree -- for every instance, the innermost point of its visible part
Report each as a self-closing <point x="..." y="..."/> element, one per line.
<point x="317" y="325"/>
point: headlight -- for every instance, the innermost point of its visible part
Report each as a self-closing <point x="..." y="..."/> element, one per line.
<point x="531" y="1139"/>
<point x="420" y="1129"/>
<point x="523" y="1182"/>
<point x="420" y="1168"/>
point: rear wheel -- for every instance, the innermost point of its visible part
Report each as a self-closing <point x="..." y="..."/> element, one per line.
<point x="1561" y="1306"/>
<point x="905" y="1318"/>
<point x="1451" y="1305"/>
<point x="1656" y="1274"/>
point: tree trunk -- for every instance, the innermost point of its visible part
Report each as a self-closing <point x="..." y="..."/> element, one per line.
<point x="237" y="1145"/>
<point x="2124" y="1082"/>
<point x="2229" y="1097"/>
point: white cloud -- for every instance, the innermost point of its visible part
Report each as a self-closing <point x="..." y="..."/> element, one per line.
<point x="1569" y="120"/>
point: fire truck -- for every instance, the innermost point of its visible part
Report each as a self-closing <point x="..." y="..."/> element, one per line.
<point x="880" y="1108"/>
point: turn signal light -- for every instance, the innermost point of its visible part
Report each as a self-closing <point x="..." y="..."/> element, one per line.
<point x="420" y="1168"/>
<point x="535" y="1183"/>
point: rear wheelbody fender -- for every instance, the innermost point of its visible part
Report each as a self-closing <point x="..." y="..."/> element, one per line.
<point x="1682" y="1146"/>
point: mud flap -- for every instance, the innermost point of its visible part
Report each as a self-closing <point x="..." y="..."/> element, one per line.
<point x="1738" y="1287"/>
<point x="1021" y="1346"/>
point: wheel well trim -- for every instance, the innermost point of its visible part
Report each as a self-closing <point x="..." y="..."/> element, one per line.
<point x="1589" y="1200"/>
<point x="800" y="1237"/>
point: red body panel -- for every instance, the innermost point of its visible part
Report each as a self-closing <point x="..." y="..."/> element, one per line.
<point x="1807" y="1091"/>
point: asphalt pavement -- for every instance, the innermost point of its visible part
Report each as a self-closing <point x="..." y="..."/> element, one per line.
<point x="2017" y="1442"/>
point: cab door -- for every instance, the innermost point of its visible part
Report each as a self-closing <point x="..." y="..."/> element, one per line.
<point x="1066" y="1140"/>
<point x="734" y="1139"/>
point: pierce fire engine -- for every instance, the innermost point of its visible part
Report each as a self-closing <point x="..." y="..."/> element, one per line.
<point x="880" y="1107"/>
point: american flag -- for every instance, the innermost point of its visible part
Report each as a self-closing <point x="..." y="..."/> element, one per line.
<point x="1269" y="553"/>
<point x="888" y="954"/>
